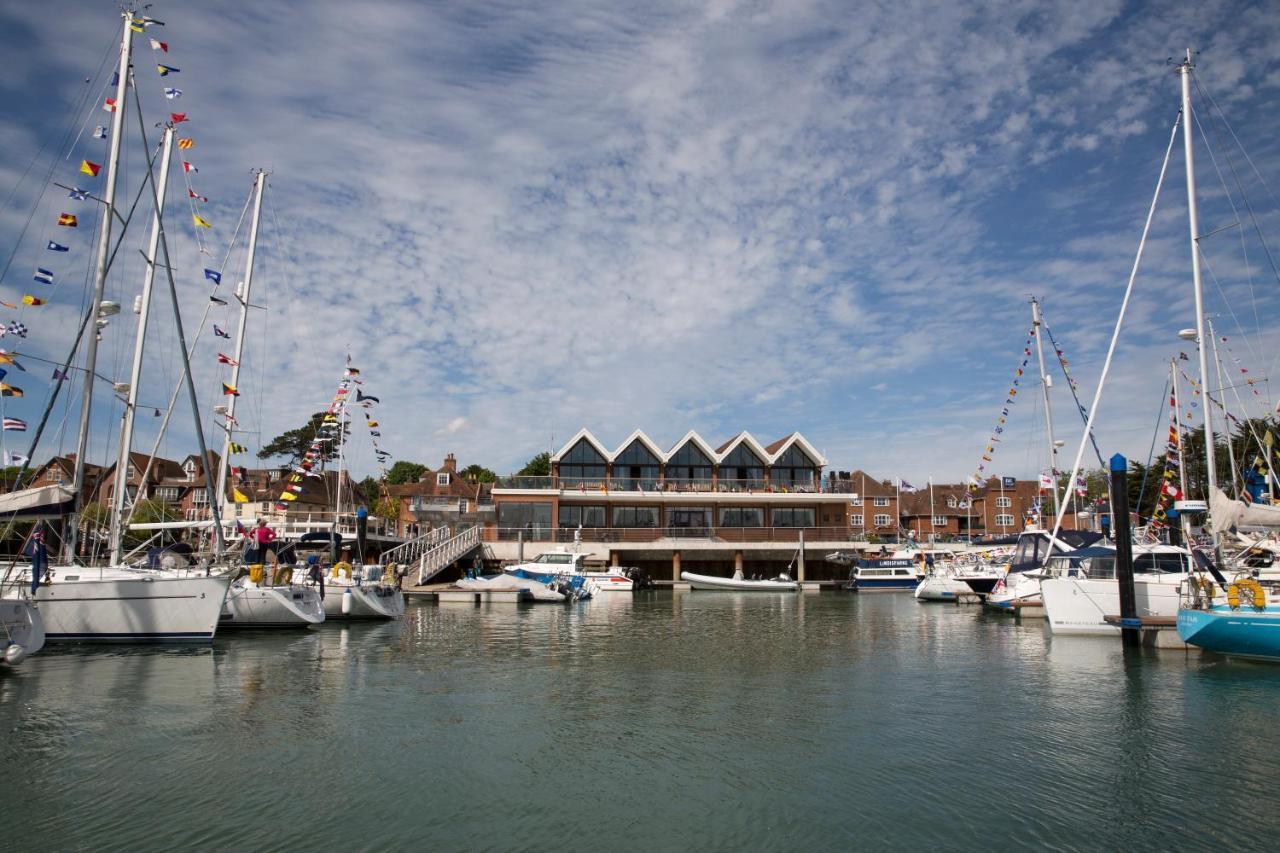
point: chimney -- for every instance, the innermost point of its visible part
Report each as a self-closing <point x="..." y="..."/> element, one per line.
<point x="450" y="463"/>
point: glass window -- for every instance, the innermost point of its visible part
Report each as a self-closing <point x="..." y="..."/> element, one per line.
<point x="742" y="468"/>
<point x="951" y="502"/>
<point x="855" y="520"/>
<point x="684" y="517"/>
<point x="1004" y="503"/>
<point x="939" y="521"/>
<point x="793" y="517"/>
<point x="635" y="516"/>
<point x="573" y="517"/>
<point x="881" y="501"/>
<point x="742" y="517"/>
<point x="533" y="519"/>
<point x="582" y="463"/>
<point x="442" y="479"/>
<point x="882" y="520"/>
<point x="688" y="464"/>
<point x="635" y="468"/>
<point x="793" y="469"/>
<point x="1004" y="520"/>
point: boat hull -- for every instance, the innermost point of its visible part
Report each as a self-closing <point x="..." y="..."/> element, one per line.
<point x="1239" y="633"/>
<point x="22" y="633"/>
<point x="941" y="589"/>
<point x="142" y="609"/>
<point x="981" y="585"/>
<point x="250" y="607"/>
<point x="370" y="601"/>
<point x="1077" y="606"/>
<point x="719" y="584"/>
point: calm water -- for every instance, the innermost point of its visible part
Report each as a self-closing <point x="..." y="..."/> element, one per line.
<point x="687" y="721"/>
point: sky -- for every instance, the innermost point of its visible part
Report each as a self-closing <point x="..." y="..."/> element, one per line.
<point x="521" y="219"/>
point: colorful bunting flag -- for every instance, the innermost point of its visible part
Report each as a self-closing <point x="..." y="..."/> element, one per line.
<point x="193" y="194"/>
<point x="166" y="70"/>
<point x="44" y="276"/>
<point x="156" y="44"/>
<point x="186" y="142"/>
<point x="219" y="333"/>
<point x="177" y="118"/>
<point x="109" y="105"/>
<point x="15" y="424"/>
<point x="78" y="194"/>
<point x="89" y="168"/>
<point x="172" y="93"/>
<point x="238" y="496"/>
<point x="238" y="448"/>
<point x="230" y="390"/>
<point x="56" y="247"/>
<point x="9" y="391"/>
<point x="216" y="301"/>
<point x="361" y="396"/>
<point x="200" y="221"/>
<point x="288" y="496"/>
<point x="187" y="167"/>
<point x="226" y="359"/>
<point x="100" y="132"/>
<point x="28" y="299"/>
<point x="213" y="276"/>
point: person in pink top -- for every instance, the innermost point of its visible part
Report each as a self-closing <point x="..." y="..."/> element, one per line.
<point x="264" y="538"/>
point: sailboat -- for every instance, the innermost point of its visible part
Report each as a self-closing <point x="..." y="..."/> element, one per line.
<point x="118" y="602"/>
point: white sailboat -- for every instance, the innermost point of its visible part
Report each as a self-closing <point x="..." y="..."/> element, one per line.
<point x="119" y="603"/>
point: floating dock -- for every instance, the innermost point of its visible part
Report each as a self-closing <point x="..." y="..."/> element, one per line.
<point x="1158" y="632"/>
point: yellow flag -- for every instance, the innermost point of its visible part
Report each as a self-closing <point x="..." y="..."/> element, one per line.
<point x="288" y="496"/>
<point x="238" y="496"/>
<point x="201" y="221"/>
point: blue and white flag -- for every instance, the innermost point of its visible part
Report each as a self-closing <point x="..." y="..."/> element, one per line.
<point x="44" y="276"/>
<point x="213" y="276"/>
<point x="78" y="194"/>
<point x="56" y="247"/>
<point x="99" y="132"/>
<point x="172" y="93"/>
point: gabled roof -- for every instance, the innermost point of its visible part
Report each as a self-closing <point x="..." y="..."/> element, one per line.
<point x="867" y="486"/>
<point x="780" y="447"/>
<point x="578" y="436"/>
<point x="639" y="435"/>
<point x="749" y="440"/>
<point x="699" y="441"/>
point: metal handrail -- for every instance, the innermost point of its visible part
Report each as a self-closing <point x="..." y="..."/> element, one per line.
<point x="433" y="561"/>
<point x="414" y="548"/>
<point x="669" y="485"/>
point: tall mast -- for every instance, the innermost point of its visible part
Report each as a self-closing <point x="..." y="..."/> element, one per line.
<point x="242" y="294"/>
<point x="1194" y="223"/>
<point x="1045" y="384"/>
<point x="100" y="280"/>
<point x="131" y="401"/>
<point x="1222" y="393"/>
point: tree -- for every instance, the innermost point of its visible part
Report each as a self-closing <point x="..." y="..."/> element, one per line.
<point x="538" y="466"/>
<point x="369" y="489"/>
<point x="296" y="442"/>
<point x="477" y="474"/>
<point x="404" y="472"/>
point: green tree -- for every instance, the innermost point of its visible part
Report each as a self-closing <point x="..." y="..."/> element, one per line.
<point x="538" y="466"/>
<point x="369" y="489"/>
<point x="295" y="443"/>
<point x="478" y="474"/>
<point x="404" y="472"/>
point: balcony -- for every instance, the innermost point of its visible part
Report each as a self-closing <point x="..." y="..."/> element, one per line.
<point x="609" y="485"/>
<point x="728" y="535"/>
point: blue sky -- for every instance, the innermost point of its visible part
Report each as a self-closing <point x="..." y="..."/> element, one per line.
<point x="524" y="218"/>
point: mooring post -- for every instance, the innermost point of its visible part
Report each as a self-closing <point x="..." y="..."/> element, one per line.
<point x="1130" y="633"/>
<point x="520" y="546"/>
<point x="800" y="560"/>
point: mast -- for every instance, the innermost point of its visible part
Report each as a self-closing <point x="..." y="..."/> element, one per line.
<point x="100" y="280"/>
<point x="1222" y="392"/>
<point x="242" y="294"/>
<point x="1045" y="384"/>
<point x="135" y="374"/>
<point x="1194" y="224"/>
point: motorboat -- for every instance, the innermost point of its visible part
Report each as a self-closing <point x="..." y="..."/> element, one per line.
<point x="21" y="630"/>
<point x="739" y="583"/>
<point x="1020" y="585"/>
<point x="892" y="574"/>
<point x="565" y="562"/>
<point x="1245" y="625"/>
<point x="574" y="586"/>
<point x="1081" y="589"/>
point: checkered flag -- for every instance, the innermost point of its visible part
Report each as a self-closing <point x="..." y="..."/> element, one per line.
<point x="16" y="328"/>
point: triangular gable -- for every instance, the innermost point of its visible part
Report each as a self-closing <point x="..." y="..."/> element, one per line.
<point x="692" y="436"/>
<point x="640" y="436"/>
<point x="578" y="436"/>
<point x="798" y="439"/>
<point x="749" y="440"/>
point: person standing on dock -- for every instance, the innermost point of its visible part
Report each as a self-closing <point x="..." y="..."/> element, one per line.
<point x="264" y="537"/>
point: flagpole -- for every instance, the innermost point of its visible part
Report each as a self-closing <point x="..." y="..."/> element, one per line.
<point x="100" y="283"/>
<point x="242" y="294"/>
<point x="1045" y="384"/>
<point x="135" y="374"/>
<point x="933" y="519"/>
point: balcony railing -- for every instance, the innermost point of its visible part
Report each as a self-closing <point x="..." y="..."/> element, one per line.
<point x="607" y="535"/>
<point x="666" y="486"/>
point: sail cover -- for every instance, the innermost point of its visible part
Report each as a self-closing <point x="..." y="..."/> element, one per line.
<point x="1225" y="513"/>
<point x="50" y="501"/>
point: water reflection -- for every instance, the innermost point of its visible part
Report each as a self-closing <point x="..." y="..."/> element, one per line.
<point x="684" y="720"/>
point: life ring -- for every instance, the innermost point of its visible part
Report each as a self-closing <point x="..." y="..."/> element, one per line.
<point x="389" y="573"/>
<point x="282" y="576"/>
<point x="1246" y="591"/>
<point x="343" y="566"/>
<point x="255" y="573"/>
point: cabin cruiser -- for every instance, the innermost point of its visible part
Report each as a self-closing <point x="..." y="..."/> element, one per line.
<point x="1081" y="588"/>
<point x="565" y="562"/>
<point x="1021" y="582"/>
<point x="535" y="589"/>
<point x="892" y="574"/>
<point x="739" y="583"/>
